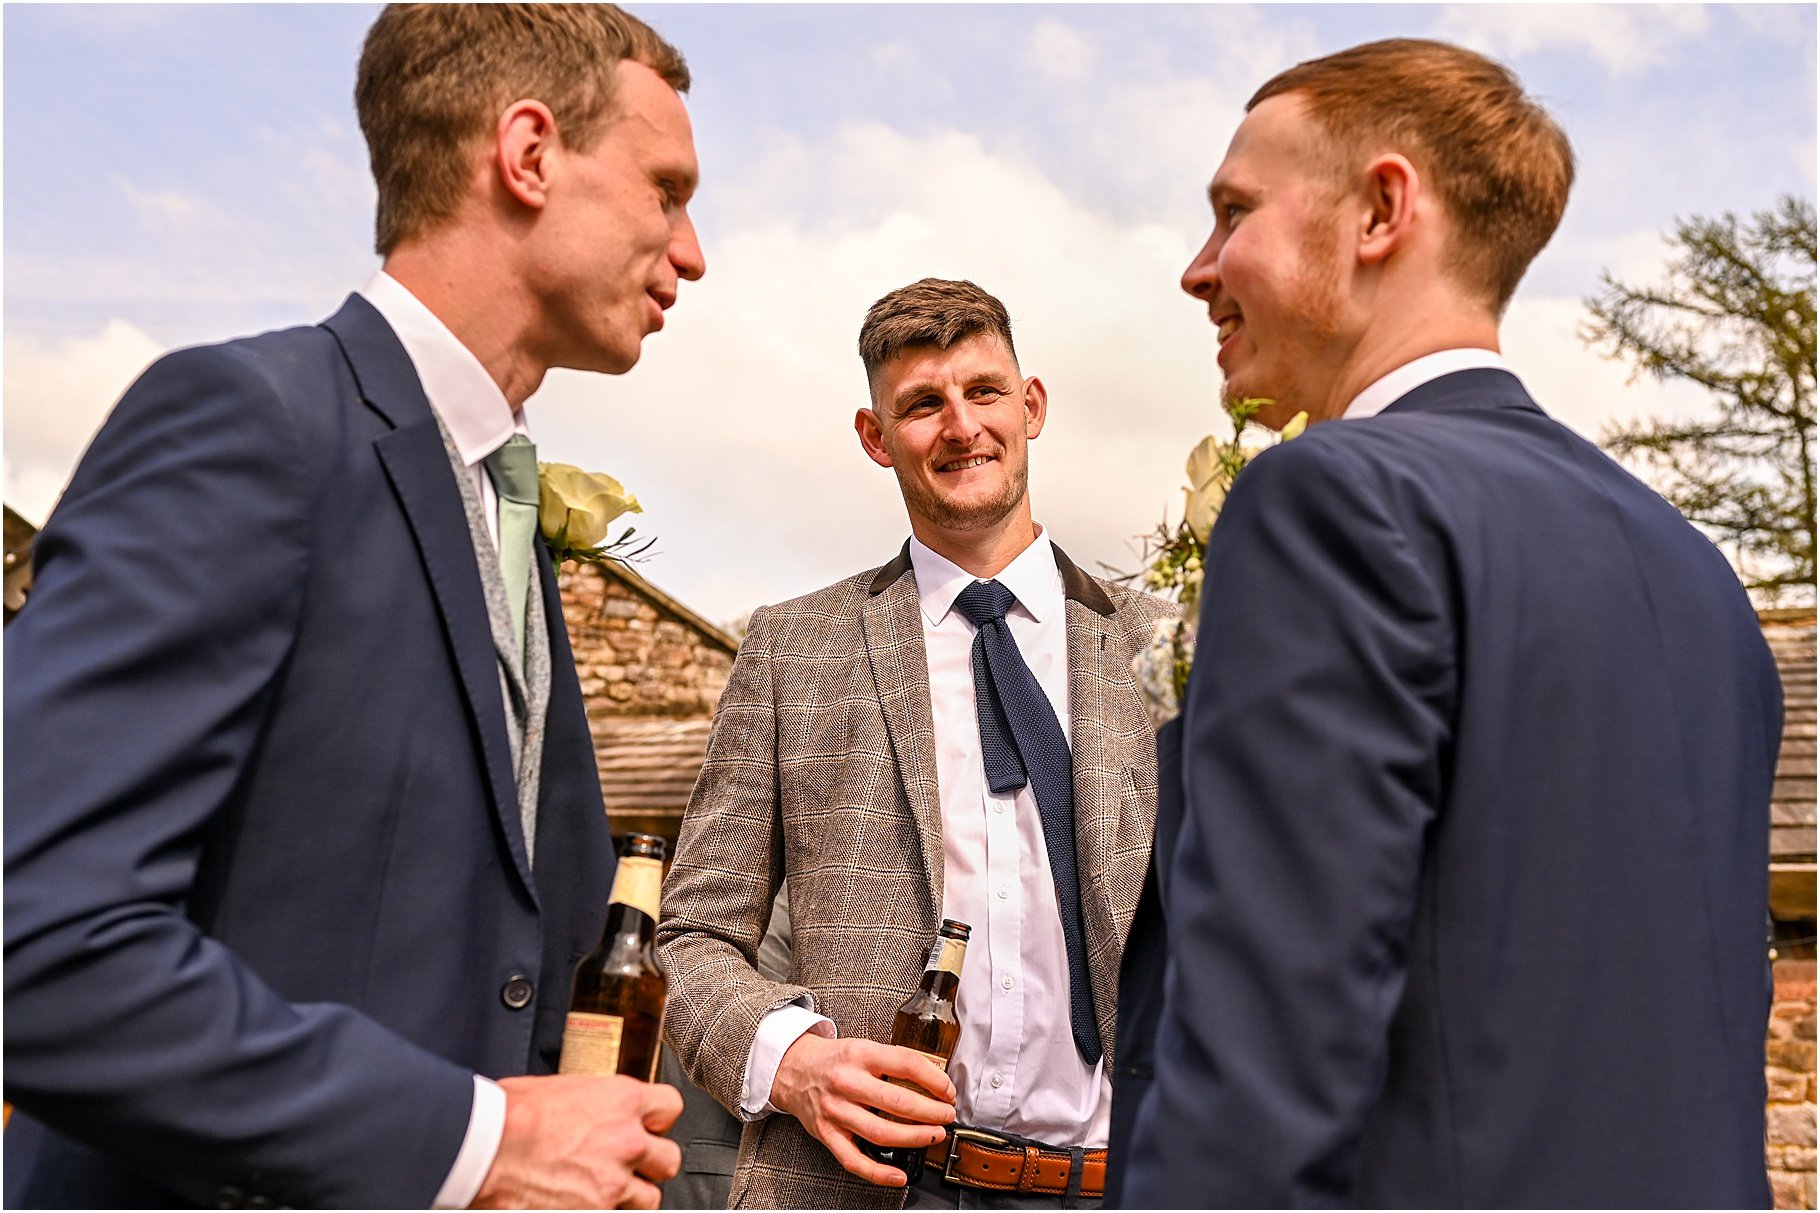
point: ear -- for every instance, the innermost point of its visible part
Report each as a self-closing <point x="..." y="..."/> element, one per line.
<point x="1392" y="188"/>
<point x="871" y="437"/>
<point x="1036" y="406"/>
<point x="522" y="146"/>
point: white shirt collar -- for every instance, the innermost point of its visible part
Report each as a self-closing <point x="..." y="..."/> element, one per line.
<point x="459" y="389"/>
<point x="1412" y="375"/>
<point x="1032" y="578"/>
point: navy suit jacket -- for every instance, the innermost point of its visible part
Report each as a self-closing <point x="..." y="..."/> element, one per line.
<point x="1465" y="901"/>
<point x="266" y="887"/>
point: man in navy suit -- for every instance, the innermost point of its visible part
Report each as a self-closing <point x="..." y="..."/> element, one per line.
<point x="1462" y="868"/>
<point x="303" y="831"/>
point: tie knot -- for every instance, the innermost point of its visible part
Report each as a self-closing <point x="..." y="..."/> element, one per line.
<point x="985" y="602"/>
<point x="513" y="468"/>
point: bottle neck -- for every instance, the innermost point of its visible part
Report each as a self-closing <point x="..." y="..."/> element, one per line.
<point x="638" y="883"/>
<point x="942" y="972"/>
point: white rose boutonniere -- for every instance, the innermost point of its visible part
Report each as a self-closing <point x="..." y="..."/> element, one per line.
<point x="1176" y="555"/>
<point x="576" y="510"/>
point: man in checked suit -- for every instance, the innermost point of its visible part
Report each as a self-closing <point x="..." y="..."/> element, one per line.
<point x="849" y="759"/>
<point x="303" y="830"/>
<point x="1461" y="841"/>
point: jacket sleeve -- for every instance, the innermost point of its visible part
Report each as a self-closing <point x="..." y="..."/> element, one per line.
<point x="718" y="896"/>
<point x="1314" y="739"/>
<point x="168" y="589"/>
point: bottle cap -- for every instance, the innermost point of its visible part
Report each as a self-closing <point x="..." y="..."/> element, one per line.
<point x="955" y="930"/>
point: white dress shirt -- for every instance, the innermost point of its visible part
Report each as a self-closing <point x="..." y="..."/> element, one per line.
<point x="1384" y="392"/>
<point x="480" y="420"/>
<point x="1016" y="1067"/>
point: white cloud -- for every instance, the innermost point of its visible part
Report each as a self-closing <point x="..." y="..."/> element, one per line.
<point x="1625" y="38"/>
<point x="57" y="394"/>
<point x="735" y="430"/>
<point x="1576" y="385"/>
<point x="1061" y="52"/>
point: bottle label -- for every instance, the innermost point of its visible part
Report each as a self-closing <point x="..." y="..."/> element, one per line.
<point x="946" y="956"/>
<point x="590" y="1043"/>
<point x="639" y="883"/>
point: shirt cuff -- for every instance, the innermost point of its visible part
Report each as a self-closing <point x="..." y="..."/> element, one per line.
<point x="486" y="1125"/>
<point x="777" y="1031"/>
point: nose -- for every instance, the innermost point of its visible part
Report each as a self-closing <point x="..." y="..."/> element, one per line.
<point x="685" y="250"/>
<point x="960" y="424"/>
<point x="1202" y="277"/>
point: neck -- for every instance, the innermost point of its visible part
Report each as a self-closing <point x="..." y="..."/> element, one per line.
<point x="460" y="280"/>
<point x="983" y="552"/>
<point x="1403" y="327"/>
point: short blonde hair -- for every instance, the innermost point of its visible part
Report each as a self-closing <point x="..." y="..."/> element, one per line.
<point x="434" y="79"/>
<point x="1501" y="165"/>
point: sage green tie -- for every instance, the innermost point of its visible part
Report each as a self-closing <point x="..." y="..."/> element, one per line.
<point x="513" y="468"/>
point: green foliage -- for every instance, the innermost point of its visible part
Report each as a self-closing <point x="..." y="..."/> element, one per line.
<point x="1735" y="315"/>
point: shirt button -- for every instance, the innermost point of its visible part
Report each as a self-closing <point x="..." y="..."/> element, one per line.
<point x="998" y="806"/>
<point x="517" y="991"/>
<point x="1003" y="893"/>
<point x="1007" y="982"/>
<point x="998" y="1080"/>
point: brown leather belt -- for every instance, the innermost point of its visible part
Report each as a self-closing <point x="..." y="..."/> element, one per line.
<point x="999" y="1164"/>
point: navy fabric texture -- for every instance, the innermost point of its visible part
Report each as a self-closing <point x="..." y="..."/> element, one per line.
<point x="1465" y="906"/>
<point x="265" y="878"/>
<point x="1022" y="741"/>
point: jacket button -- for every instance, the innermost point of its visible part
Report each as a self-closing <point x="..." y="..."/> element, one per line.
<point x="517" y="992"/>
<point x="229" y="1197"/>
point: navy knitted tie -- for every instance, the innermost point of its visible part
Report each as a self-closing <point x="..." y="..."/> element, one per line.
<point x="1022" y="742"/>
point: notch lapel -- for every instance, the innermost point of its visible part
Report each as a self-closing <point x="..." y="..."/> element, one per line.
<point x="891" y="620"/>
<point x="418" y="465"/>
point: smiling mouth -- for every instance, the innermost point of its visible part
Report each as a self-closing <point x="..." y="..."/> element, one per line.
<point x="961" y="465"/>
<point x="1227" y="327"/>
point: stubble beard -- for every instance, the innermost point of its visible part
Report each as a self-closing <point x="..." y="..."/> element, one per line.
<point x="1310" y="322"/>
<point x="929" y="505"/>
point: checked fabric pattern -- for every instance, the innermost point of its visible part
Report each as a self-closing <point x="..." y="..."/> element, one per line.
<point x="1022" y="743"/>
<point x="821" y="766"/>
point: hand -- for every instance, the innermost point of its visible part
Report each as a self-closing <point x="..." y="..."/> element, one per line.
<point x="573" y="1141"/>
<point x="832" y="1087"/>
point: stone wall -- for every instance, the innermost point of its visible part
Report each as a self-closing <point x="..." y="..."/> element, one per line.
<point x="634" y="658"/>
<point x="1789" y="1056"/>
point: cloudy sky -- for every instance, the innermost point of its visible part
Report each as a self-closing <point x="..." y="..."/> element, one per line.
<point x="178" y="174"/>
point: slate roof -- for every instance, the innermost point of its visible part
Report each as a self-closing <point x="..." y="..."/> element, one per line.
<point x="648" y="767"/>
<point x="1791" y="845"/>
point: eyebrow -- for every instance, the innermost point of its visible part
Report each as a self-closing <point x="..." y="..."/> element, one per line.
<point x="1225" y="191"/>
<point x="924" y="387"/>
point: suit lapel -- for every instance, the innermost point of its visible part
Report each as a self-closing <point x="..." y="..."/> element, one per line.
<point x="1096" y="805"/>
<point x="891" y="619"/>
<point x="414" y="458"/>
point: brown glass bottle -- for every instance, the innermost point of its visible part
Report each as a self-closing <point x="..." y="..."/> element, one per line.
<point x="927" y="1022"/>
<point x="616" y="1013"/>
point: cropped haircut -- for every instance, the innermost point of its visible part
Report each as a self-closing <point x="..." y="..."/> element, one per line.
<point x="932" y="312"/>
<point x="1500" y="164"/>
<point x="434" y="79"/>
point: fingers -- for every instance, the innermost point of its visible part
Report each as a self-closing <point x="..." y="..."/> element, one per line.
<point x="906" y="1104"/>
<point x="661" y="1104"/>
<point x="908" y="1063"/>
<point x="886" y="1132"/>
<point x="847" y="1154"/>
<point x="640" y="1195"/>
<point x="661" y="1160"/>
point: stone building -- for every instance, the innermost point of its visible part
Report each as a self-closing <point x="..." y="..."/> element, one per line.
<point x="651" y="672"/>
<point x="1789" y="1053"/>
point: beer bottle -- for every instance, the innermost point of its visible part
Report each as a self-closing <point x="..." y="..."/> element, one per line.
<point x="616" y="1014"/>
<point x="927" y="1023"/>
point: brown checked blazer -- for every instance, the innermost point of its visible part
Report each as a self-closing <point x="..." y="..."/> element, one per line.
<point x="821" y="771"/>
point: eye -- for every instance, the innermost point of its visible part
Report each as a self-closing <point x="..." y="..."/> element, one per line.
<point x="1229" y="213"/>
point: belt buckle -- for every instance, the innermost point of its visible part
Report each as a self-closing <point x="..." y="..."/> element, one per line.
<point x="991" y="1141"/>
